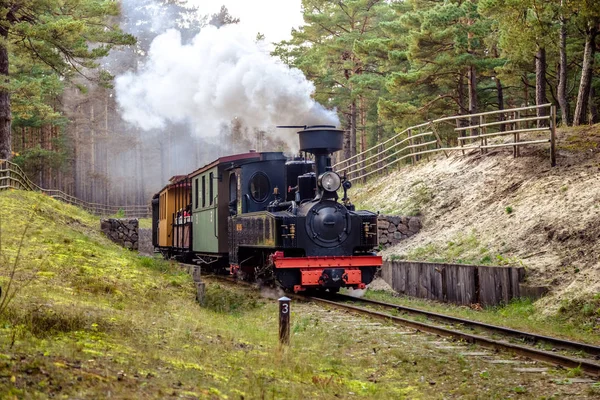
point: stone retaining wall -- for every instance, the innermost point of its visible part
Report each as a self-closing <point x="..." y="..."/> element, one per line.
<point x="121" y="231"/>
<point x="392" y="229"/>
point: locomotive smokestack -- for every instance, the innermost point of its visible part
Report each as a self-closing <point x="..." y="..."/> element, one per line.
<point x="321" y="140"/>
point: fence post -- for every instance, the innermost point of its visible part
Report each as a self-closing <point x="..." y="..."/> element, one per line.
<point x="516" y="135"/>
<point x="410" y="143"/>
<point x="200" y="286"/>
<point x="284" y="321"/>
<point x="481" y="139"/>
<point x="462" y="133"/>
<point x="438" y="138"/>
<point x="553" y="136"/>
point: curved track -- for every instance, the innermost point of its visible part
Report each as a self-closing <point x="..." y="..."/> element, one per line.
<point x="588" y="365"/>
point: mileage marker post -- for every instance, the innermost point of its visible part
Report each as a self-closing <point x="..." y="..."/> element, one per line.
<point x="284" y="321"/>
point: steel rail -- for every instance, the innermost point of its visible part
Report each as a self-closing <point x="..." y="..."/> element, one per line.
<point x="586" y="366"/>
<point x="527" y="336"/>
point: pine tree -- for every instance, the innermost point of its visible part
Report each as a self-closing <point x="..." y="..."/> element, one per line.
<point x="588" y="20"/>
<point x="448" y="60"/>
<point x="57" y="33"/>
<point x="328" y="50"/>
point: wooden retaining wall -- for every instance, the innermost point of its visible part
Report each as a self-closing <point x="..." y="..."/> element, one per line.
<point x="454" y="283"/>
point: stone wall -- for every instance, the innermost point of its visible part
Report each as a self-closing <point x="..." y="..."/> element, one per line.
<point x="121" y="231"/>
<point x="392" y="229"/>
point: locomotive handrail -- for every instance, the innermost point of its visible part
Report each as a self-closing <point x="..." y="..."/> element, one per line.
<point x="426" y="138"/>
<point x="13" y="177"/>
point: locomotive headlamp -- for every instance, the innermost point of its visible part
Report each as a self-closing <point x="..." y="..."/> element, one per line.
<point x="330" y="181"/>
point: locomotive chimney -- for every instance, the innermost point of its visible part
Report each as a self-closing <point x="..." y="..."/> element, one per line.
<point x="321" y="140"/>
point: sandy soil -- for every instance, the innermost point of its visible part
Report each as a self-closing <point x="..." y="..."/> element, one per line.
<point x="553" y="225"/>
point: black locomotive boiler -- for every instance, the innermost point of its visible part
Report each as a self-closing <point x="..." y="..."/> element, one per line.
<point x="271" y="219"/>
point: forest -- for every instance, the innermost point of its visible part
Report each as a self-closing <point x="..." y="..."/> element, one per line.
<point x="383" y="65"/>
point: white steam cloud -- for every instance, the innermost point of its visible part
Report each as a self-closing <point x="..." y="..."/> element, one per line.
<point x="222" y="74"/>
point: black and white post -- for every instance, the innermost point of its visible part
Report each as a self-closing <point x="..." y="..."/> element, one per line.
<point x="284" y="321"/>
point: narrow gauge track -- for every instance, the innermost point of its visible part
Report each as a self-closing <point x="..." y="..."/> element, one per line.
<point x="587" y="365"/>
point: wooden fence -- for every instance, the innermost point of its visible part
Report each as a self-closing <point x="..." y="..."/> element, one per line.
<point x="454" y="283"/>
<point x="534" y="125"/>
<point x="13" y="177"/>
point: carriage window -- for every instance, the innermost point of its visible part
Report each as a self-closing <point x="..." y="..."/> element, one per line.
<point x="210" y="185"/>
<point x="259" y="187"/>
<point x="196" y="190"/>
<point x="203" y="190"/>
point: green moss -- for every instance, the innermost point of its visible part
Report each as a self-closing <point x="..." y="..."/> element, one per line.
<point x="224" y="300"/>
<point x="462" y="249"/>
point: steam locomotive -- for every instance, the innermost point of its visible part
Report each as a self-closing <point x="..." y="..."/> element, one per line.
<point x="264" y="217"/>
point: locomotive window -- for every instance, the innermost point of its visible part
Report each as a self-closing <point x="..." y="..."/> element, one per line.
<point x="203" y="190"/>
<point x="259" y="187"/>
<point x="210" y="185"/>
<point x="232" y="188"/>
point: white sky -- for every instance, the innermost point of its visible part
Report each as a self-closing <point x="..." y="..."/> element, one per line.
<point x="273" y="18"/>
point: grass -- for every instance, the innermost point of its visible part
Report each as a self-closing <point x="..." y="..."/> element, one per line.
<point x="462" y="249"/>
<point x="412" y="204"/>
<point x="145" y="223"/>
<point x="99" y="321"/>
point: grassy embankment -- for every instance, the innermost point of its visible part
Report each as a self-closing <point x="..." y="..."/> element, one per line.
<point x="93" y="320"/>
<point x="576" y="318"/>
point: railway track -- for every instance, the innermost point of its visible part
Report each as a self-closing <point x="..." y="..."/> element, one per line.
<point x="456" y="328"/>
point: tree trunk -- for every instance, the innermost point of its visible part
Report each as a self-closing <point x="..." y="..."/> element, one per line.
<point x="163" y="162"/>
<point x="540" y="83"/>
<point x="379" y="140"/>
<point x="586" y="73"/>
<point x="353" y="128"/>
<point x="363" y="132"/>
<point x="500" y="94"/>
<point x="5" y="116"/>
<point x="473" y="95"/>
<point x="461" y="104"/>
<point x="461" y="94"/>
<point x="92" y="171"/>
<point x="141" y="170"/>
<point x="562" y="73"/>
<point x="526" y="89"/>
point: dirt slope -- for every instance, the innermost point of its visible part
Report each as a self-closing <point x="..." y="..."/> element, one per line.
<point x="505" y="210"/>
